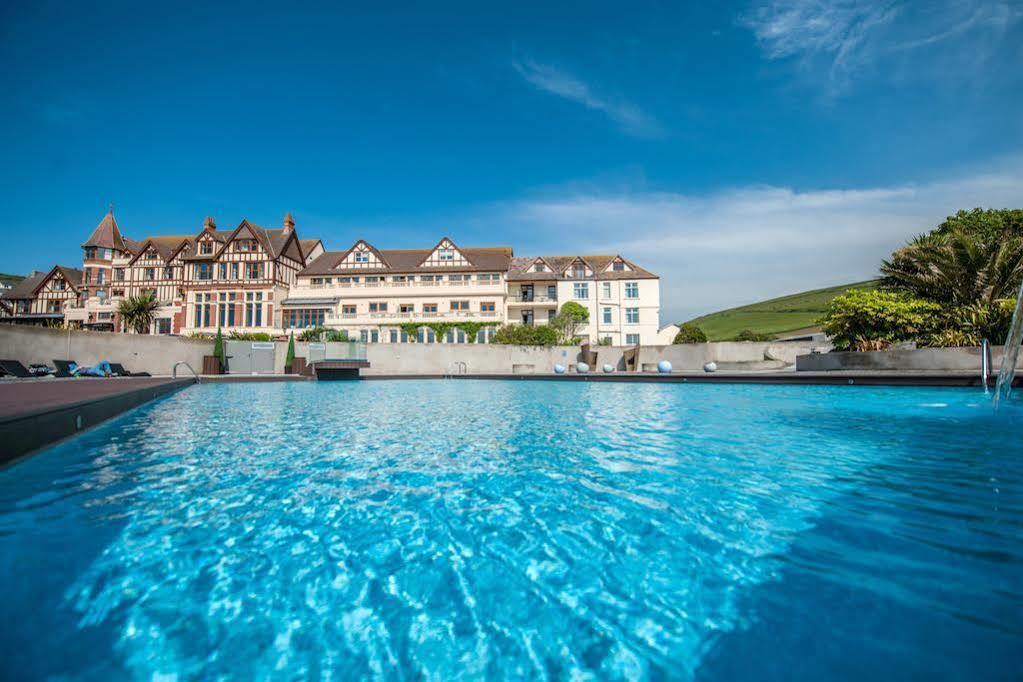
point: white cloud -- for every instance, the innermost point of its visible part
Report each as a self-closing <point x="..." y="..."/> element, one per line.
<point x="845" y="37"/>
<point x="734" y="247"/>
<point x="629" y="118"/>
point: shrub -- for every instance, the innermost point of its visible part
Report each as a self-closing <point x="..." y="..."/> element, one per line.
<point x="690" y="333"/>
<point x="526" y="335"/>
<point x="323" y="334"/>
<point x="249" y="336"/>
<point x="969" y="325"/>
<point x="750" y="335"/>
<point x="870" y="318"/>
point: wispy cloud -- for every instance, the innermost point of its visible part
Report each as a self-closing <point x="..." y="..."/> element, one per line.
<point x="630" y="118"/>
<point x="844" y="38"/>
<point x="733" y="247"/>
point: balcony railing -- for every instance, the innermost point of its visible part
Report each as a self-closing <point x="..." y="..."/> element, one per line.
<point x="532" y="298"/>
<point x="423" y="315"/>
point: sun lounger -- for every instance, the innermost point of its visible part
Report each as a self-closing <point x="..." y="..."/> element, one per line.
<point x="120" y="371"/>
<point x="63" y="368"/>
<point x="16" y="369"/>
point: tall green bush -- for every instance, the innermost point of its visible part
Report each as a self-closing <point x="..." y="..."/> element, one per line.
<point x="218" y="350"/>
<point x="289" y="357"/>
<point x="570" y="317"/>
<point x="875" y="319"/>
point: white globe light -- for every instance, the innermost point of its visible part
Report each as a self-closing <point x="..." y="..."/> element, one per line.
<point x="664" y="367"/>
<point x="582" y="367"/>
<point x="559" y="369"/>
<point x="710" y="367"/>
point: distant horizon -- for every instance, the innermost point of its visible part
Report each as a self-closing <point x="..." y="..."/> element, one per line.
<point x="742" y="151"/>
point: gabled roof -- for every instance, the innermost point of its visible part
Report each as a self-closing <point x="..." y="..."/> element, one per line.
<point x="106" y="235"/>
<point x="562" y="264"/>
<point x="274" y="242"/>
<point x="441" y="243"/>
<point x="372" y="249"/>
<point x="167" y="246"/>
<point x="494" y="259"/>
<point x="30" y="286"/>
<point x="26" y="287"/>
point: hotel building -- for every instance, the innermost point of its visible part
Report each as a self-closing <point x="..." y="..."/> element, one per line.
<point x="254" y="279"/>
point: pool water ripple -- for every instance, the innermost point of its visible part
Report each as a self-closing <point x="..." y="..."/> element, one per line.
<point x="512" y="530"/>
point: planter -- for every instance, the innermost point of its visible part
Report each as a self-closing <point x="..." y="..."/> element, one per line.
<point x="210" y="365"/>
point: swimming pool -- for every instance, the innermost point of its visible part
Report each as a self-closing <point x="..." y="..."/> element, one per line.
<point x="516" y="530"/>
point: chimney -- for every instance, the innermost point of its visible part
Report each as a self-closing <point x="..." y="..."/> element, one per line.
<point x="209" y="224"/>
<point x="289" y="224"/>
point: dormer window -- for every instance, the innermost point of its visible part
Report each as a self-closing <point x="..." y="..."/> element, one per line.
<point x="245" y="245"/>
<point x="361" y="257"/>
<point x="579" y="272"/>
<point x="206" y="248"/>
<point x="539" y="267"/>
<point x="618" y="266"/>
<point x="446" y="254"/>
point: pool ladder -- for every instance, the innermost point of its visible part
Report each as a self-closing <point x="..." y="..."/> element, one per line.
<point x="174" y="371"/>
<point x="985" y="362"/>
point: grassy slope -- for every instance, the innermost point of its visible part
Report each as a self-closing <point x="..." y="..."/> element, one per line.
<point x="13" y="279"/>
<point x="796" y="312"/>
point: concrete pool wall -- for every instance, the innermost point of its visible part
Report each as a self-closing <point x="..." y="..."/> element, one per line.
<point x="157" y="355"/>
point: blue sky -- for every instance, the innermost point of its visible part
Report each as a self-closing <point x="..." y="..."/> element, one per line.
<point x="740" y="150"/>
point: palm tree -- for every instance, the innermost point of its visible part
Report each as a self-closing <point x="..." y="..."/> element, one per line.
<point x="138" y="312"/>
<point x="958" y="268"/>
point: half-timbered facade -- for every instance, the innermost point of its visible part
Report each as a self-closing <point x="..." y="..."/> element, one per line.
<point x="41" y="298"/>
<point x="235" y="281"/>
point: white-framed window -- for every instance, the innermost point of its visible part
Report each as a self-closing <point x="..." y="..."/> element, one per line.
<point x="632" y="290"/>
<point x="605" y="290"/>
<point x="632" y="339"/>
<point x="581" y="290"/>
<point x="607" y="315"/>
<point x="378" y="306"/>
<point x="361" y="257"/>
<point x="632" y="316"/>
<point x="254" y="309"/>
<point x="460" y="305"/>
<point x="445" y="254"/>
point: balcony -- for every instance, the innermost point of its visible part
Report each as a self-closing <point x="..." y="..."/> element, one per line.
<point x="534" y="299"/>
<point x="383" y="317"/>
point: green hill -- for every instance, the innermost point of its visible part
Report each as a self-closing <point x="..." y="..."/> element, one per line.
<point x="13" y="279"/>
<point x="778" y="316"/>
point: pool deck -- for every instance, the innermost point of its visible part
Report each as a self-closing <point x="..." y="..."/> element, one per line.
<point x="35" y="413"/>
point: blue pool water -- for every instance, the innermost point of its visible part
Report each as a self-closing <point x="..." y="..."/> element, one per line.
<point x="521" y="530"/>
